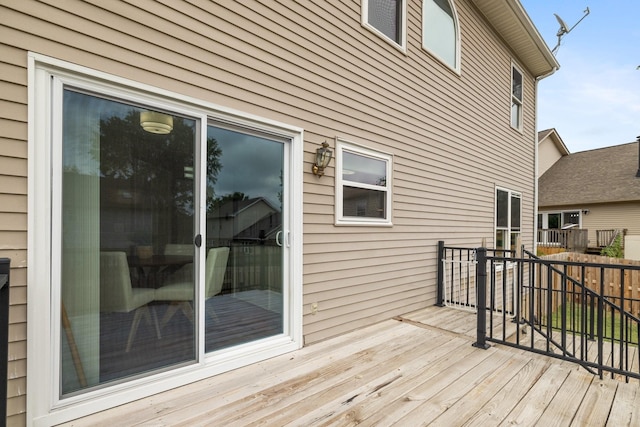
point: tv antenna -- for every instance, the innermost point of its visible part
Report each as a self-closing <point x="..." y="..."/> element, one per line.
<point x="564" y="28"/>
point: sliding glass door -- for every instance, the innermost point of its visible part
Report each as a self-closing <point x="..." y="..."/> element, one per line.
<point x="138" y="272"/>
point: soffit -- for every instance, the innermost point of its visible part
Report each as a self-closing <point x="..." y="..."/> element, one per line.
<point x="511" y="21"/>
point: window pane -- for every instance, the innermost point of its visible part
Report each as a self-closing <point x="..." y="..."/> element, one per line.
<point x="363" y="169"/>
<point x="439" y="30"/>
<point x="514" y="241"/>
<point x="502" y="209"/>
<point x="359" y="202"/>
<point x="516" y="88"/>
<point x="554" y="221"/>
<point x="126" y="196"/>
<point x="245" y="226"/>
<point x="501" y="239"/>
<point x="515" y="212"/>
<point x="516" y="113"/>
<point x="385" y="16"/>
<point x="571" y="218"/>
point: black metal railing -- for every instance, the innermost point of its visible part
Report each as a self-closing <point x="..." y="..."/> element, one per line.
<point x="456" y="275"/>
<point x="580" y="312"/>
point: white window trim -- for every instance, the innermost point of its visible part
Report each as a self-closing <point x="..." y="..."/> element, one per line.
<point x="520" y="126"/>
<point x="359" y="149"/>
<point x="457" y="68"/>
<point x="43" y="325"/>
<point x="495" y="214"/>
<point x="402" y="46"/>
<point x="545" y="215"/>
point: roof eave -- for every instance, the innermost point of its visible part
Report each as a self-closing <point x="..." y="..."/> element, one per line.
<point x="512" y="22"/>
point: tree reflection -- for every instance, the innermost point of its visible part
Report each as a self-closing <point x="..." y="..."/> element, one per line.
<point x="152" y="175"/>
<point x="156" y="163"/>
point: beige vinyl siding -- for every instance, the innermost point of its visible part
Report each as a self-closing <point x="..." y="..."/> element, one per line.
<point x="612" y="216"/>
<point x="13" y="218"/>
<point x="314" y="66"/>
<point x="548" y="154"/>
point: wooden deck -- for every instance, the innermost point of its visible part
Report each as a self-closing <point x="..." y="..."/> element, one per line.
<point x="419" y="369"/>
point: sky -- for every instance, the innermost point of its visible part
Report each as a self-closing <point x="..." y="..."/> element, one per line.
<point x="593" y="100"/>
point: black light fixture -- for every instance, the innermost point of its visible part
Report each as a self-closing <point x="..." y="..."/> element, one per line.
<point x="323" y="157"/>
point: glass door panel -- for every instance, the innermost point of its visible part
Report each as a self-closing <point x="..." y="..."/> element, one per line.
<point x="127" y="281"/>
<point x="244" y="238"/>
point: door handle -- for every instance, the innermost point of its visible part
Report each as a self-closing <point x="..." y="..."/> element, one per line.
<point x="198" y="240"/>
<point x="278" y="242"/>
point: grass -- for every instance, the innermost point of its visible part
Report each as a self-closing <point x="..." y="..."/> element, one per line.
<point x="611" y="328"/>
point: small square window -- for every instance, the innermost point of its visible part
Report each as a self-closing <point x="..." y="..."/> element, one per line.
<point x="363" y="179"/>
<point x="386" y="17"/>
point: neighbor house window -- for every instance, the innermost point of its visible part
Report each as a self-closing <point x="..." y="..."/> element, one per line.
<point x="440" y="31"/>
<point x="363" y="179"/>
<point x="386" y="17"/>
<point x="516" y="98"/>
<point x="508" y="215"/>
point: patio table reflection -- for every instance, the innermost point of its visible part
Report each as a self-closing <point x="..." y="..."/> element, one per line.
<point x="152" y="270"/>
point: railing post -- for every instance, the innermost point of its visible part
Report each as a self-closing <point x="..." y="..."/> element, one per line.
<point x="440" y="278"/>
<point x="481" y="304"/>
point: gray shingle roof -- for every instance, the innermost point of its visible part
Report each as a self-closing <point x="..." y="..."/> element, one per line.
<point x="603" y="175"/>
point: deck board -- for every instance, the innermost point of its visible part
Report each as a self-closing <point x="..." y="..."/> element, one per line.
<point x="413" y="370"/>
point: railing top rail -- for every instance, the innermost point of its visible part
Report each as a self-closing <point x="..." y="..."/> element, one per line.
<point x="567" y="263"/>
<point x="456" y="248"/>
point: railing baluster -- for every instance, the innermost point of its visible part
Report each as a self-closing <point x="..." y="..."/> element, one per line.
<point x="441" y="266"/>
<point x="601" y="324"/>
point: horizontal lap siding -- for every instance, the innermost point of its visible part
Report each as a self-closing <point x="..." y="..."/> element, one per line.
<point x="611" y="216"/>
<point x="13" y="218"/>
<point x="311" y="64"/>
<point x="446" y="163"/>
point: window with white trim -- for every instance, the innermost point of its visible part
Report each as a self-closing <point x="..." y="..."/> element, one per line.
<point x="363" y="179"/>
<point x="386" y="17"/>
<point x="516" y="98"/>
<point x="508" y="219"/>
<point x="440" y="31"/>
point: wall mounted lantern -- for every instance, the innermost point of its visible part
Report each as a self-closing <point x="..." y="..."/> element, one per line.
<point x="323" y="157"/>
<point x="155" y="122"/>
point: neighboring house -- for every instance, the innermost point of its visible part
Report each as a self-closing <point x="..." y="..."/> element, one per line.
<point x="550" y="149"/>
<point x="128" y="121"/>
<point x="249" y="219"/>
<point x="595" y="189"/>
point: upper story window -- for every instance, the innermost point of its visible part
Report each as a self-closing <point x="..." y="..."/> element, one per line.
<point x="386" y="17"/>
<point x="516" y="98"/>
<point x="363" y="180"/>
<point x="440" y="31"/>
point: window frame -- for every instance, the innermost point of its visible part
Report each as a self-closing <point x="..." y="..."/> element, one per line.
<point x="514" y="100"/>
<point x="544" y="217"/>
<point x="400" y="44"/>
<point x="47" y="78"/>
<point x="455" y="67"/>
<point x="509" y="228"/>
<point x="340" y="219"/>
